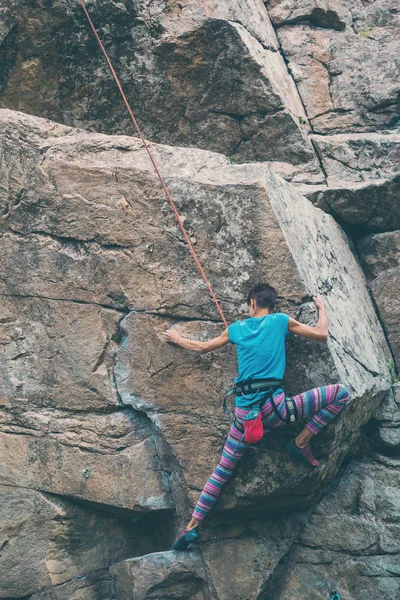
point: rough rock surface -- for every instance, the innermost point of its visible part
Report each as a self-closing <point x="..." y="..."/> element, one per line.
<point x="99" y="421"/>
<point x="388" y="422"/>
<point x="204" y="573"/>
<point x="47" y="541"/>
<point x="363" y="181"/>
<point x="351" y="543"/>
<point x="342" y="544"/>
<point x="380" y="258"/>
<point x="208" y="75"/>
<point x="94" y="268"/>
<point x="379" y="252"/>
<point x="386" y="293"/>
<point x="248" y="80"/>
<point x="343" y="59"/>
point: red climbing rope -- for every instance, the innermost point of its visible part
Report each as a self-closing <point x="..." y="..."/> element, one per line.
<point x="172" y="203"/>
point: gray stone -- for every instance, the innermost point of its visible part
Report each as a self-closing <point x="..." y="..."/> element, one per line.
<point x="344" y="65"/>
<point x="372" y="205"/>
<point x="93" y="586"/>
<point x="94" y="405"/>
<point x="386" y="293"/>
<point x="351" y="542"/>
<point x="47" y="541"/>
<point x="199" y="71"/>
<point x="388" y="419"/>
<point x="379" y="252"/>
<point x="363" y="186"/>
<point x="161" y="575"/>
<point x="224" y="569"/>
<point x="134" y="478"/>
<point x="326" y="14"/>
<point x="92" y="234"/>
<point x="356" y="157"/>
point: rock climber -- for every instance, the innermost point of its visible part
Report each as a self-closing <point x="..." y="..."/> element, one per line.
<point x="260" y="398"/>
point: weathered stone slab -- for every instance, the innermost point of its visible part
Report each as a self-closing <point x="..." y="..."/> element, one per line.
<point x="343" y="61"/>
<point x="363" y="186"/>
<point x="260" y="553"/>
<point x="346" y="547"/>
<point x="372" y="205"/>
<point x="386" y="292"/>
<point x="47" y="541"/>
<point x="379" y="252"/>
<point x="380" y="258"/>
<point x="53" y="354"/>
<point x="131" y="479"/>
<point x="207" y="571"/>
<point x="93" y="586"/>
<point x="161" y="575"/>
<point x="200" y="70"/>
<point x="91" y="218"/>
<point x="354" y="157"/>
<point x="326" y="14"/>
<point x="388" y="419"/>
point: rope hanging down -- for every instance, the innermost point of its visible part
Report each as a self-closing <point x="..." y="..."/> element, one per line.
<point x="172" y="203"/>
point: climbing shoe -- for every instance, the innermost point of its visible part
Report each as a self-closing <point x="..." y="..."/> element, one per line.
<point x="302" y="455"/>
<point x="186" y="538"/>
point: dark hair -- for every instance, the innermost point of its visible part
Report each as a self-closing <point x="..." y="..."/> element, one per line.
<point x="264" y="296"/>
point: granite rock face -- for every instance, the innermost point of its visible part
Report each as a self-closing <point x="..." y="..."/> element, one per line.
<point x="346" y="546"/>
<point x="215" y="570"/>
<point x="47" y="542"/>
<point x="340" y="545"/>
<point x="207" y="75"/>
<point x="343" y="59"/>
<point x="379" y="252"/>
<point x="388" y="422"/>
<point x="363" y="182"/>
<point x="107" y="433"/>
<point x="254" y="81"/>
<point x="380" y="257"/>
<point x="342" y="56"/>
<point x="386" y="292"/>
<point x="95" y="407"/>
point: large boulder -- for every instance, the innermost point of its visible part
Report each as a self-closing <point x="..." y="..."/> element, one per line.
<point x="92" y="233"/>
<point x="343" y="59"/>
<point x="208" y="571"/>
<point x="380" y="258"/>
<point x="207" y="75"/>
<point x="50" y="542"/>
<point x="95" y="406"/>
<point x="351" y="543"/>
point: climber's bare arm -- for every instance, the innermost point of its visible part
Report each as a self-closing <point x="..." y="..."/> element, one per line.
<point x="318" y="333"/>
<point x="195" y="346"/>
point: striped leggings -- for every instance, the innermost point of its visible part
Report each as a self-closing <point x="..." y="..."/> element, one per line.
<point x="321" y="404"/>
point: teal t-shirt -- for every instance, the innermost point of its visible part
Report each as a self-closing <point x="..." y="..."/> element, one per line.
<point x="260" y="345"/>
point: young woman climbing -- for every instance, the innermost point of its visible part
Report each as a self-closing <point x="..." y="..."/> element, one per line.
<point x="260" y="400"/>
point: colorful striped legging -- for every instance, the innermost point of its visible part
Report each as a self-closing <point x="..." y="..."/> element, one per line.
<point x="321" y="404"/>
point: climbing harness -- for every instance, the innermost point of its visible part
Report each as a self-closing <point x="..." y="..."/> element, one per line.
<point x="270" y="386"/>
<point x="251" y="386"/>
<point x="291" y="410"/>
<point x="157" y="170"/>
